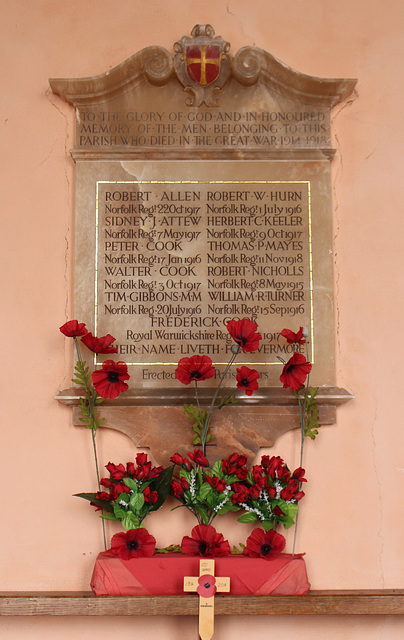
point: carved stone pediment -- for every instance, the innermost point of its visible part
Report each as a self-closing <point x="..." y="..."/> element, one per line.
<point x="153" y="92"/>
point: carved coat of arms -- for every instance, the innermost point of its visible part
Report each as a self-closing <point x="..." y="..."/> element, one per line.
<point x="203" y="65"/>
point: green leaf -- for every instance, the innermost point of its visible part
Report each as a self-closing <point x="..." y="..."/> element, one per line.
<point x="131" y="484"/>
<point x="120" y="512"/>
<point x="172" y="548"/>
<point x="136" y="501"/>
<point x="109" y="516"/>
<point x="130" y="521"/>
<point x="267" y="525"/>
<point x="311" y="414"/>
<point x="161" y="484"/>
<point x="226" y="400"/>
<point x="248" y="517"/>
<point x="217" y="469"/>
<point x="185" y="474"/>
<point x="204" y="491"/>
<point x="104" y="504"/>
<point x="292" y="509"/>
<point x="238" y="550"/>
<point x="202" y="512"/>
<point x="229" y="506"/>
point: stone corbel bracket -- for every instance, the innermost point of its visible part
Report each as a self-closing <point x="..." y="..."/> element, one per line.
<point x="155" y="419"/>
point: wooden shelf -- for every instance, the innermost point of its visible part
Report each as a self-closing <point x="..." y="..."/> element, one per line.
<point x="369" y="602"/>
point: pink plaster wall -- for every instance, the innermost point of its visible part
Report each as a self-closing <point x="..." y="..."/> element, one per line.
<point x="352" y="521"/>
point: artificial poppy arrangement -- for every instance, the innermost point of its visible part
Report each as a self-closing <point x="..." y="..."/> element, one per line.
<point x="268" y="494"/>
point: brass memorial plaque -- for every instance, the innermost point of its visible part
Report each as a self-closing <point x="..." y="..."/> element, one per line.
<point x="180" y="249"/>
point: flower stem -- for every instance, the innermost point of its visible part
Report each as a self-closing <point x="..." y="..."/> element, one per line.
<point x="208" y="418"/>
<point x="302" y="414"/>
<point x="90" y="399"/>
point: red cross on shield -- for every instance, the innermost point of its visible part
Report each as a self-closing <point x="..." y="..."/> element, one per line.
<point x="203" y="63"/>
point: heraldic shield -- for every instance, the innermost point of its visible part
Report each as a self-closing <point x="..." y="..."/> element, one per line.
<point x="203" y="65"/>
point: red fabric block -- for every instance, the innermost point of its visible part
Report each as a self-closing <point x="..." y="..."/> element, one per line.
<point x="164" y="575"/>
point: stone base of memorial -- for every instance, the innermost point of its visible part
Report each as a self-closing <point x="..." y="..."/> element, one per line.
<point x="163" y="575"/>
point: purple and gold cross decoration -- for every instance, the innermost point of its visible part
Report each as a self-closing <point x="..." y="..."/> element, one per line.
<point x="206" y="585"/>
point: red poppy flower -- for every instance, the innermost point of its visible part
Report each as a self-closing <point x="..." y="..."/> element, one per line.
<point x="186" y="464"/>
<point x="116" y="471"/>
<point x="273" y="465"/>
<point x="259" y="479"/>
<point x="176" y="488"/>
<point x="295" y="372"/>
<point x="217" y="484"/>
<point x="72" y="329"/>
<point x="207" y="586"/>
<point x="247" y="380"/>
<point x="135" y="543"/>
<point x="205" y="542"/>
<point x="292" y="337"/>
<point x="101" y="495"/>
<point x="198" y="457"/>
<point x="150" y="496"/>
<point x="143" y="471"/>
<point x="177" y="459"/>
<point x="141" y="459"/>
<point x="240" y="494"/>
<point x="130" y="469"/>
<point x="264" y="544"/>
<point x="254" y="491"/>
<point x="109" y="381"/>
<point x="196" y="368"/>
<point x="99" y="345"/>
<point x="298" y="474"/>
<point x="244" y="333"/>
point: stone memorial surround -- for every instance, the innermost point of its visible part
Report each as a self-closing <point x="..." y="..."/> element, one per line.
<point x="178" y="157"/>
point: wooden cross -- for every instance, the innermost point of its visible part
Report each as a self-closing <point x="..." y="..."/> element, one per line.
<point x="206" y="585"/>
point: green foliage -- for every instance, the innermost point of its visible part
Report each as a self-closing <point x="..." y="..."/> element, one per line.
<point x="201" y="419"/>
<point x="87" y="405"/>
<point x="92" y="497"/>
<point x="172" y="548"/>
<point x="238" y="550"/>
<point x="248" y="517"/>
<point x="161" y="484"/>
<point x="198" y="418"/>
<point x="226" y="400"/>
<point x="206" y="500"/>
<point x="311" y="424"/>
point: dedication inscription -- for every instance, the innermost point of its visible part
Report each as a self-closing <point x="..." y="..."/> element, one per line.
<point x="176" y="260"/>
